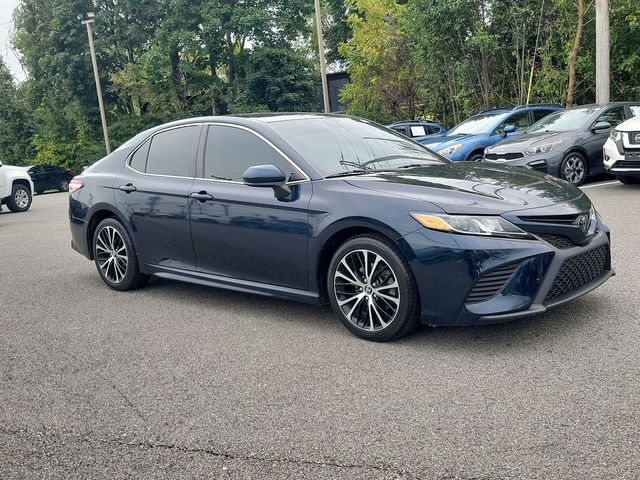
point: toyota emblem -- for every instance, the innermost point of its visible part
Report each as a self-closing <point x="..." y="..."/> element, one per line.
<point x="637" y="139"/>
<point x="583" y="222"/>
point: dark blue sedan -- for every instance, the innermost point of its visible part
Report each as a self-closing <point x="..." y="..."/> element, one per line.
<point x="337" y="209"/>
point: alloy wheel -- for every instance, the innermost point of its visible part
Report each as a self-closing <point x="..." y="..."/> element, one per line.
<point x="111" y="254"/>
<point x="21" y="198"/>
<point x="64" y="185"/>
<point x="366" y="289"/>
<point x="574" y="170"/>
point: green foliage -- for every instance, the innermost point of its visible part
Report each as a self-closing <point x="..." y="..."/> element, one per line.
<point x="16" y="124"/>
<point x="159" y="60"/>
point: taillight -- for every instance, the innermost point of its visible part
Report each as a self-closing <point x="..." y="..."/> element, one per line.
<point x="75" y="185"/>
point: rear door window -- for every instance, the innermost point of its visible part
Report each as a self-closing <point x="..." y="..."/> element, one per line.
<point x="139" y="158"/>
<point x="173" y="152"/>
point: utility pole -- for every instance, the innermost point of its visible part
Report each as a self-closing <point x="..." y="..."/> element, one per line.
<point x="87" y="19"/>
<point x="603" y="76"/>
<point x="323" y="66"/>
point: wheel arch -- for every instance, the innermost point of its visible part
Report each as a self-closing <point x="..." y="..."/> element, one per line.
<point x="22" y="181"/>
<point x="476" y="149"/>
<point x="99" y="213"/>
<point x="339" y="233"/>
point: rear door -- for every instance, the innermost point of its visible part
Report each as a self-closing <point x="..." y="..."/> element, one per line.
<point x="153" y="193"/>
<point x="245" y="232"/>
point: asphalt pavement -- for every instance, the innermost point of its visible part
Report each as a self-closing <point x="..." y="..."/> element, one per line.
<point x="180" y="381"/>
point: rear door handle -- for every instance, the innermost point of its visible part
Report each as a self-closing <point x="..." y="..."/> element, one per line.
<point x="201" y="196"/>
<point x="128" y="188"/>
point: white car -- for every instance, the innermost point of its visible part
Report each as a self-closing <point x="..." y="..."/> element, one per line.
<point x="622" y="152"/>
<point x="16" y="188"/>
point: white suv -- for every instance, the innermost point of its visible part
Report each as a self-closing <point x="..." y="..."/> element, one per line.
<point x="16" y="188"/>
<point x="622" y="152"/>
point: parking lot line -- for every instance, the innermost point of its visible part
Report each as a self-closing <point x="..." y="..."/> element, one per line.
<point x="602" y="184"/>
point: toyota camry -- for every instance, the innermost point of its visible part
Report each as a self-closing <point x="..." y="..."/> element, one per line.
<point x="335" y="209"/>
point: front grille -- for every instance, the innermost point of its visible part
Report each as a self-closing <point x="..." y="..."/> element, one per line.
<point x="633" y="138"/>
<point x="491" y="283"/>
<point x="503" y="156"/>
<point x="558" y="241"/>
<point x="578" y="271"/>
<point x="557" y="219"/>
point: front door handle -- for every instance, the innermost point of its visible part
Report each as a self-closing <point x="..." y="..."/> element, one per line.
<point x="201" y="196"/>
<point x="128" y="188"/>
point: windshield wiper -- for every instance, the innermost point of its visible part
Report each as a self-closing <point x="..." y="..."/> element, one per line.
<point x="348" y="173"/>
<point x="410" y="165"/>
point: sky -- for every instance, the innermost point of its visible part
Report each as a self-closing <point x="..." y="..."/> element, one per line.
<point x="6" y="29"/>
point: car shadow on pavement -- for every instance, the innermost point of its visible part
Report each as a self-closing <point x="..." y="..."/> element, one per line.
<point x="556" y="323"/>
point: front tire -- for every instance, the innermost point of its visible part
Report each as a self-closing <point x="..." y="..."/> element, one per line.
<point x="115" y="257"/>
<point x="20" y="199"/>
<point x="574" y="169"/>
<point x="372" y="290"/>
<point x="476" y="157"/>
<point x="63" y="185"/>
<point x="628" y="180"/>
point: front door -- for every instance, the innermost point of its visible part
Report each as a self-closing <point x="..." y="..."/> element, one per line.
<point x="245" y="232"/>
<point x="153" y="192"/>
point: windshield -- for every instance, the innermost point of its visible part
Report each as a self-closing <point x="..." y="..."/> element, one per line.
<point x="335" y="145"/>
<point x="476" y="125"/>
<point x="564" y="120"/>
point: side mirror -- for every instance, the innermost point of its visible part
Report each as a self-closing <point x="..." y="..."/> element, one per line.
<point x="267" y="176"/>
<point x="509" y="129"/>
<point x="601" y="127"/>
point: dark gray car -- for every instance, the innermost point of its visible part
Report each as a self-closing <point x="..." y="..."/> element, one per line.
<point x="567" y="144"/>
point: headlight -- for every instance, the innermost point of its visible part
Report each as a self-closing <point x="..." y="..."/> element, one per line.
<point x="450" y="150"/>
<point x="615" y="135"/>
<point x="542" y="148"/>
<point x="470" y="225"/>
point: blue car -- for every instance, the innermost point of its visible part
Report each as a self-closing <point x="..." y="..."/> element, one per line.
<point x="338" y="210"/>
<point x="417" y="129"/>
<point x="467" y="140"/>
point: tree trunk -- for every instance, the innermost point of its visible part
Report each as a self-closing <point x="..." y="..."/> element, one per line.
<point x="573" y="55"/>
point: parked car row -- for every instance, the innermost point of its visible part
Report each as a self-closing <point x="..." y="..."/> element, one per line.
<point x="18" y="184"/>
<point x="566" y="143"/>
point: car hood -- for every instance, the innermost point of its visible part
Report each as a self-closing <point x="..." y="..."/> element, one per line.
<point x="522" y="142"/>
<point x="474" y="188"/>
<point x="433" y="140"/>
<point x="631" y="125"/>
<point x="11" y="169"/>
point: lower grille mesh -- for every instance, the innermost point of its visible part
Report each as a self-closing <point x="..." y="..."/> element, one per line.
<point x="491" y="283"/>
<point x="577" y="271"/>
<point x="558" y="241"/>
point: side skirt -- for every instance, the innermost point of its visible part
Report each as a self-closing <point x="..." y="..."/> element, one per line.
<point x="228" y="283"/>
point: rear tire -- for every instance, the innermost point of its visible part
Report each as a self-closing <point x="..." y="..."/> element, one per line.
<point x="372" y="290"/>
<point x="628" y="180"/>
<point x="20" y="199"/>
<point x="115" y="257"/>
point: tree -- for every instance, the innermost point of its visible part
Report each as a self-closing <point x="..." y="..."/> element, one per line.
<point x="16" y="125"/>
<point x="384" y="82"/>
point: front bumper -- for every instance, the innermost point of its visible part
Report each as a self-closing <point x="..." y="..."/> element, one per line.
<point x="548" y="162"/>
<point x="621" y="160"/>
<point x="448" y="269"/>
